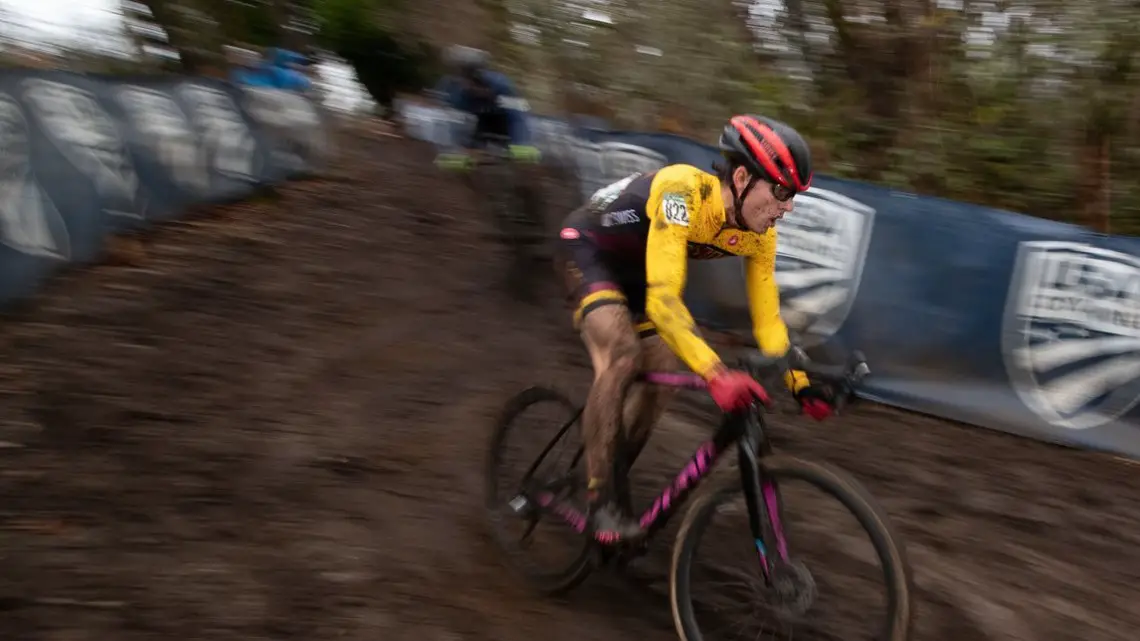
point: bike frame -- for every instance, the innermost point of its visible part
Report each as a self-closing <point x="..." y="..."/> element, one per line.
<point x="746" y="429"/>
<point x="501" y="186"/>
<point x="492" y="151"/>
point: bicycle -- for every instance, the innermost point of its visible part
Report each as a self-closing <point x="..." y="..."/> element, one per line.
<point x="513" y="205"/>
<point x="787" y="581"/>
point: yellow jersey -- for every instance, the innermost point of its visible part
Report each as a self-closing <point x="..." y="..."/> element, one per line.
<point x="660" y="221"/>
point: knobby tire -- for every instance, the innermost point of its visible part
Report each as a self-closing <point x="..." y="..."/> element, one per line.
<point x="873" y="519"/>
<point x="545" y="582"/>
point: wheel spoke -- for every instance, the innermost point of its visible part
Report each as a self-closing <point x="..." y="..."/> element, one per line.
<point x="730" y="601"/>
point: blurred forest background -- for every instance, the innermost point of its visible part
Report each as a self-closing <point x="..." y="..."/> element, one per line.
<point x="1027" y="105"/>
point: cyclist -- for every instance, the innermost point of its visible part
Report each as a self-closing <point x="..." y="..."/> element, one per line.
<point x="489" y="96"/>
<point x="624" y="255"/>
<point x="500" y="111"/>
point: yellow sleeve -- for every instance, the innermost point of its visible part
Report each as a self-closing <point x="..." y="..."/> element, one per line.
<point x="764" y="303"/>
<point x="666" y="257"/>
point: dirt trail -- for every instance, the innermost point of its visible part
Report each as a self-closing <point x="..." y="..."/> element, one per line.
<point x="273" y="429"/>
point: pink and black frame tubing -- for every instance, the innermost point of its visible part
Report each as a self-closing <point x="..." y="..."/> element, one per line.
<point x="760" y="492"/>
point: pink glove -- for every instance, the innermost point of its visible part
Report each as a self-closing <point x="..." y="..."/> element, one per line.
<point x="734" y="391"/>
<point x="815" y="403"/>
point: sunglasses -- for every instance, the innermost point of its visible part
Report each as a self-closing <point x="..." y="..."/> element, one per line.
<point x="782" y="193"/>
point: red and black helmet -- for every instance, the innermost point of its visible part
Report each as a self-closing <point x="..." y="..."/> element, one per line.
<point x="770" y="149"/>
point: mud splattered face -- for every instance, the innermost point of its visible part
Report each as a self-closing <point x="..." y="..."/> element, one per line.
<point x="761" y="208"/>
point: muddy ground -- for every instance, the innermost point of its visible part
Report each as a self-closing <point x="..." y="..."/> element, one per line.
<point x="272" y="425"/>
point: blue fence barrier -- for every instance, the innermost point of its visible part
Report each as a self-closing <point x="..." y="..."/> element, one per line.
<point x="974" y="314"/>
<point x="86" y="156"/>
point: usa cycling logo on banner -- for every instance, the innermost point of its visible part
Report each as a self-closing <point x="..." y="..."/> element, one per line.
<point x="165" y="132"/>
<point x="231" y="149"/>
<point x="1071" y="336"/>
<point x="819" y="261"/>
<point x="30" y="223"/>
<point x="86" y="135"/>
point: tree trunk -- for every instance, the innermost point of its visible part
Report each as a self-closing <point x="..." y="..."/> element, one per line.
<point x="166" y="16"/>
<point x="1096" y="181"/>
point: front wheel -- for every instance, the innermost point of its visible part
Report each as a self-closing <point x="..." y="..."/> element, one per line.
<point x="791" y="591"/>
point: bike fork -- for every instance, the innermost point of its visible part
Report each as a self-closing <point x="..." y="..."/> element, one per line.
<point x="762" y="497"/>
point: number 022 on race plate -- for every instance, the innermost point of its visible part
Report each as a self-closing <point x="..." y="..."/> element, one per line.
<point x="676" y="210"/>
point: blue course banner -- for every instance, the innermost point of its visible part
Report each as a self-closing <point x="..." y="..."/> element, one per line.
<point x="88" y="156"/>
<point x="978" y="315"/>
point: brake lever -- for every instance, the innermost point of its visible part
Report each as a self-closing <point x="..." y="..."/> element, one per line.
<point x="843" y="395"/>
<point x="858" y="365"/>
<point x="858" y="370"/>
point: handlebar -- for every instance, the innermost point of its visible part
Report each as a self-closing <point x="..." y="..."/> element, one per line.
<point x="853" y="371"/>
<point x="841" y="378"/>
<point x="493" y="138"/>
<point x="497" y="142"/>
<point x="494" y="149"/>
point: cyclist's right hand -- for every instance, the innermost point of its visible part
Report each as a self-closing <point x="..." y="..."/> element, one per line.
<point x="734" y="390"/>
<point x="525" y="154"/>
<point x="453" y="161"/>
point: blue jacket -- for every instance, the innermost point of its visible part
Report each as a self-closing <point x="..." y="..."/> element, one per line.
<point x="514" y="111"/>
<point x="274" y="72"/>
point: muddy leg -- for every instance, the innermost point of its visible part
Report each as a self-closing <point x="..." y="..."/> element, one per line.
<point x="616" y="356"/>
<point x="644" y="403"/>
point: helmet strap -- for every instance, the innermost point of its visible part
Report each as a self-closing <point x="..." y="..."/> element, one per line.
<point x="738" y="200"/>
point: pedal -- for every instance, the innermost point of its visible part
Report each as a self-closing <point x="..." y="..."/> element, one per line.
<point x="521" y="506"/>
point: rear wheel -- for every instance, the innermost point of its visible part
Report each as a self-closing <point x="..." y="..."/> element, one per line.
<point x="789" y="599"/>
<point x="498" y="187"/>
<point x="522" y="235"/>
<point x="551" y="459"/>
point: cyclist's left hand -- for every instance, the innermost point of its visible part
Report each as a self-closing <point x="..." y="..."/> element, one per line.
<point x="453" y="161"/>
<point x="525" y="154"/>
<point x="816" y="402"/>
